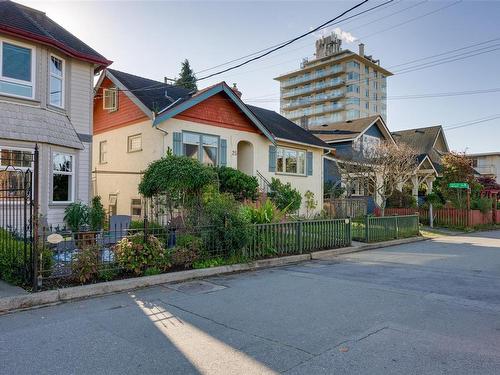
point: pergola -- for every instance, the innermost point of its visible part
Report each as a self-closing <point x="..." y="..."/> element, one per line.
<point x="425" y="173"/>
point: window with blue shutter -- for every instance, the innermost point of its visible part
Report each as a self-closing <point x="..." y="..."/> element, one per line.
<point x="309" y="163"/>
<point x="223" y="152"/>
<point x="272" y="158"/>
<point x="177" y="146"/>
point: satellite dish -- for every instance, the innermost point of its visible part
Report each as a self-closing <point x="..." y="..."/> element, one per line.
<point x="55" y="238"/>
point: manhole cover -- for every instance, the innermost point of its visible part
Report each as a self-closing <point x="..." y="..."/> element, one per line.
<point x="196" y="287"/>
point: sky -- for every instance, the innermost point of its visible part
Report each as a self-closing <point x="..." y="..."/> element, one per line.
<point x="152" y="38"/>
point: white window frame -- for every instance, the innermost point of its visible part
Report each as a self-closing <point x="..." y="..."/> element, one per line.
<point x="129" y="142"/>
<point x="62" y="78"/>
<point x="103" y="160"/>
<point x="18" y="81"/>
<point x="106" y="92"/>
<point x="72" y="174"/>
<point x="132" y="206"/>
<point x="297" y="150"/>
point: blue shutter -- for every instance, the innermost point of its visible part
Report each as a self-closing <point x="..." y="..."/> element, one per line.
<point x="178" y="144"/>
<point x="223" y="152"/>
<point x="309" y="163"/>
<point x="272" y="158"/>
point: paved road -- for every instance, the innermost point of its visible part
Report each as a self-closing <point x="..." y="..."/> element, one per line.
<point x="426" y="308"/>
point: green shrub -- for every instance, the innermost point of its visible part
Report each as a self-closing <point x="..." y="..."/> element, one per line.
<point x="85" y="266"/>
<point x="482" y="204"/>
<point x="97" y="214"/>
<point x="186" y="251"/>
<point x="11" y="257"/>
<point x="136" y="255"/>
<point x="108" y="273"/>
<point x="228" y="227"/>
<point x="400" y="199"/>
<point x="152" y="271"/>
<point x="76" y="215"/>
<point x="237" y="183"/>
<point x="261" y="213"/>
<point x="284" y="196"/>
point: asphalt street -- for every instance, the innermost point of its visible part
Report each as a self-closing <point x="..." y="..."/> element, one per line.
<point x="430" y="307"/>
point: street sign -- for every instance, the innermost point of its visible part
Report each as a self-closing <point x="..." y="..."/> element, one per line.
<point x="458" y="185"/>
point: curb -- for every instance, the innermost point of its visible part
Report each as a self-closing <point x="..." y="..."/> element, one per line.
<point x="52" y="297"/>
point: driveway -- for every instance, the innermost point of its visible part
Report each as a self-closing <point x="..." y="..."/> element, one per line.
<point x="431" y="307"/>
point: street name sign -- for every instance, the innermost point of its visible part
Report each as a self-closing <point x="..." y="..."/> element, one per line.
<point x="458" y="185"/>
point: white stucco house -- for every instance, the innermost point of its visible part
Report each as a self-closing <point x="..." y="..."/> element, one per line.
<point x="46" y="94"/>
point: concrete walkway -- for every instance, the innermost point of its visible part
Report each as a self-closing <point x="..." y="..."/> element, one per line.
<point x="430" y="307"/>
<point x="7" y="290"/>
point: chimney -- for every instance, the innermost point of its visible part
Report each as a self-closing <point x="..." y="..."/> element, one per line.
<point x="236" y="91"/>
<point x="361" y="50"/>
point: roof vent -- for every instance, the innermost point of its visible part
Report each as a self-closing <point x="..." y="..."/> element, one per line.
<point x="419" y="131"/>
<point x="168" y="97"/>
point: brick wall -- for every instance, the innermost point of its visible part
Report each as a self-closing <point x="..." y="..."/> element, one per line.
<point x="127" y="113"/>
<point x="220" y="111"/>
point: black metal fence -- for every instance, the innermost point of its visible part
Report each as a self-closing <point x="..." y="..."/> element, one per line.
<point x="18" y="210"/>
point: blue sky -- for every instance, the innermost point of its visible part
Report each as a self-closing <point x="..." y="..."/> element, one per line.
<point x="152" y="38"/>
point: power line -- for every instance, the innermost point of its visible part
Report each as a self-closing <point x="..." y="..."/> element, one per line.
<point x="472" y="122"/>
<point x="283" y="45"/>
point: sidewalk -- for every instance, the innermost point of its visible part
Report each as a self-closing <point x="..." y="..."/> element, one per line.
<point x="7" y="290"/>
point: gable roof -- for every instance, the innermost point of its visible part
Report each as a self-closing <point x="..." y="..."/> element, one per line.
<point x="33" y="124"/>
<point x="423" y="141"/>
<point x="32" y="24"/>
<point x="151" y="93"/>
<point x="284" y="129"/>
<point x="349" y="130"/>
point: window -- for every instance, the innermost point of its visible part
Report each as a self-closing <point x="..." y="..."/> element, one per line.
<point x="56" y="77"/>
<point x="367" y="105"/>
<point x="110" y="101"/>
<point x="13" y="164"/>
<point x="136" y="207"/>
<point x="16" y="73"/>
<point x="202" y="147"/>
<point x="352" y="114"/>
<point x="113" y="201"/>
<point x="134" y="143"/>
<point x="367" y="93"/>
<point x="353" y="101"/>
<point x="474" y="163"/>
<point x="353" y="64"/>
<point x="367" y="70"/>
<point x="352" y="76"/>
<point x="290" y="161"/>
<point x="62" y="177"/>
<point x="103" y="152"/>
<point x="352" y="88"/>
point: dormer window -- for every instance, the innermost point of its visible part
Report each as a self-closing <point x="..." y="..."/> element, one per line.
<point x="110" y="101"/>
<point x="56" y="77"/>
<point x="16" y="70"/>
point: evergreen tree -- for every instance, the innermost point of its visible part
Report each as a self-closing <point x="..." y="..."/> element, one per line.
<point x="187" y="78"/>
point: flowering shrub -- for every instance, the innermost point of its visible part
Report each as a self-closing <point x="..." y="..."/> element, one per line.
<point x="85" y="266"/>
<point x="187" y="251"/>
<point x="137" y="255"/>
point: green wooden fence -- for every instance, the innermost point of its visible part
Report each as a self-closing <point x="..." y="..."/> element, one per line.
<point x="376" y="229"/>
<point x="299" y="237"/>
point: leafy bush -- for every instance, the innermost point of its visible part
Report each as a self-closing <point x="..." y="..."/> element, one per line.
<point x="261" y="213"/>
<point x="284" y="196"/>
<point x="11" y="257"/>
<point x="152" y="271"/>
<point x="482" y="204"/>
<point x="85" y="266"/>
<point x="311" y="203"/>
<point x="186" y="251"/>
<point x="333" y="189"/>
<point x="96" y="214"/>
<point x="76" y="215"/>
<point x="108" y="273"/>
<point x="136" y="255"/>
<point x="228" y="226"/>
<point x="237" y="183"/>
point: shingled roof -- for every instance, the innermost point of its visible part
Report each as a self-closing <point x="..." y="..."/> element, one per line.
<point x="345" y="131"/>
<point x="283" y="128"/>
<point x="153" y="94"/>
<point x="32" y="24"/>
<point x="37" y="125"/>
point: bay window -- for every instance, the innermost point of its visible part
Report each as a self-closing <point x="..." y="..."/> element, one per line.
<point x="62" y="177"/>
<point x="202" y="147"/>
<point x="290" y="161"/>
<point x="56" y="81"/>
<point x="16" y="70"/>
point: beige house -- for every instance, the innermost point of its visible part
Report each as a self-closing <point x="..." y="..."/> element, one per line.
<point x="487" y="164"/>
<point x="134" y="126"/>
<point x="46" y="80"/>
